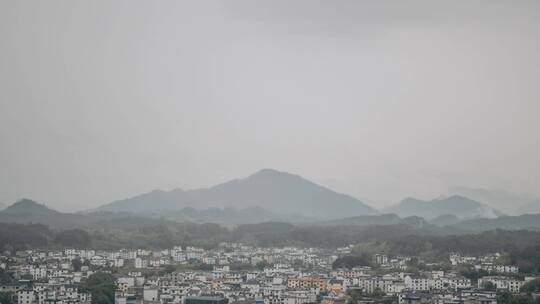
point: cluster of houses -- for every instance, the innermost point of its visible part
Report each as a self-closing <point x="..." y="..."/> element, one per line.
<point x="236" y="273"/>
<point x="487" y="263"/>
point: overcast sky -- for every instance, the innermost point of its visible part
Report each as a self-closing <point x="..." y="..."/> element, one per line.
<point x="102" y="100"/>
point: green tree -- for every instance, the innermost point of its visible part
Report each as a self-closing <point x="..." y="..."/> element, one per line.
<point x="490" y="286"/>
<point x="205" y="267"/>
<point x="6" y="298"/>
<point x="471" y="273"/>
<point x="5" y="277"/>
<point x="76" y="263"/>
<point x="77" y="238"/>
<point x="378" y="293"/>
<point x="261" y="265"/>
<point x="350" y="261"/>
<point x="508" y="298"/>
<point x="531" y="286"/>
<point x="355" y="294"/>
<point x="168" y="269"/>
<point x="102" y="286"/>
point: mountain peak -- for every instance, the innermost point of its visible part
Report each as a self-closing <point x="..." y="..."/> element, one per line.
<point x="276" y="191"/>
<point x="28" y="206"/>
<point x="268" y="172"/>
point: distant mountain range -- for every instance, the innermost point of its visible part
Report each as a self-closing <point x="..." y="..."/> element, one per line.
<point x="278" y="192"/>
<point x="445" y="224"/>
<point x="508" y="202"/>
<point x="27" y="211"/>
<point x="274" y="196"/>
<point x="525" y="222"/>
<point x="456" y="205"/>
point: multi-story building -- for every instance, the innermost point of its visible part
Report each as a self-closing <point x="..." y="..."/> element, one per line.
<point x="306" y="282"/>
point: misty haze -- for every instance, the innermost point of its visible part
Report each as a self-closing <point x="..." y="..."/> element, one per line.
<point x="270" y="152"/>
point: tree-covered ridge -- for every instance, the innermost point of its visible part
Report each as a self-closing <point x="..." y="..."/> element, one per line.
<point x="522" y="246"/>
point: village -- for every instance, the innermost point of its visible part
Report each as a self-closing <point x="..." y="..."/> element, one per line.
<point x="237" y="273"/>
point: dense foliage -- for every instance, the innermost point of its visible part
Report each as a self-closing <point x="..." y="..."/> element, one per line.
<point x="18" y="237"/>
<point x="76" y="264"/>
<point x="6" y="279"/>
<point x="76" y="238"/>
<point x="528" y="259"/>
<point x="531" y="286"/>
<point x="508" y="298"/>
<point x="471" y="273"/>
<point x="350" y="261"/>
<point x="102" y="286"/>
<point x="6" y="298"/>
